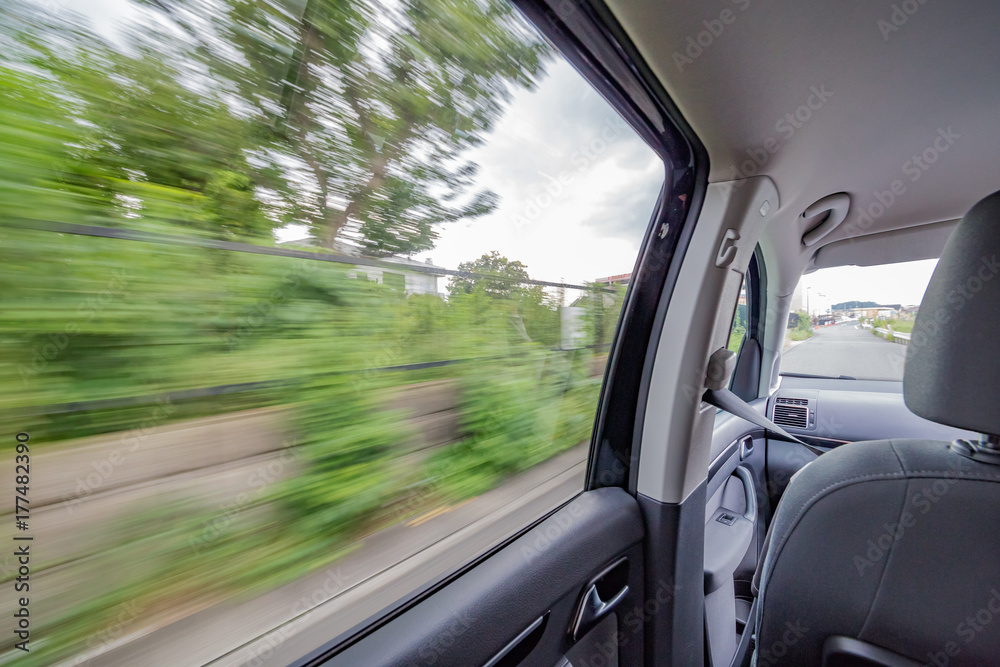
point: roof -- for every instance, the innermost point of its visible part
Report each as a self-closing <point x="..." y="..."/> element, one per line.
<point x="828" y="97"/>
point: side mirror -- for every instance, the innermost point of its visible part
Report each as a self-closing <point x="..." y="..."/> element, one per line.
<point x="793" y="320"/>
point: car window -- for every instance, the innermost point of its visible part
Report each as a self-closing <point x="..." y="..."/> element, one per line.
<point x="738" y="330"/>
<point x="305" y="306"/>
<point x="854" y="322"/>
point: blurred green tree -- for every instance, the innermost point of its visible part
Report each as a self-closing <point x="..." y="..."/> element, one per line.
<point x="496" y="276"/>
<point x="367" y="111"/>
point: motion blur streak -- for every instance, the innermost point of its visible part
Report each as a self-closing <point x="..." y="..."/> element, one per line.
<point x="232" y="120"/>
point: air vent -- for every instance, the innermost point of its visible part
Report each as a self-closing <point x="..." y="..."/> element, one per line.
<point x="792" y="401"/>
<point x="791" y="415"/>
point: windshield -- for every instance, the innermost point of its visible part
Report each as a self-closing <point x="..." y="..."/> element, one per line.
<point x="854" y="322"/>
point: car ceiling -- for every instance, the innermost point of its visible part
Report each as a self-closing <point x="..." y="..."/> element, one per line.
<point x="895" y="77"/>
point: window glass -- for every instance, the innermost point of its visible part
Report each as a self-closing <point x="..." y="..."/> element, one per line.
<point x="305" y="304"/>
<point x="854" y="322"/>
<point x="738" y="331"/>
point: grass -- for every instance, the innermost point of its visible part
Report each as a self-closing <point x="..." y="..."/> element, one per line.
<point x="736" y="339"/>
<point x="902" y="326"/>
<point x="802" y="331"/>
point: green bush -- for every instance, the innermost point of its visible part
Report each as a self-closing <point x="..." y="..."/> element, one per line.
<point x="515" y="414"/>
<point x="87" y="319"/>
<point x="803" y="330"/>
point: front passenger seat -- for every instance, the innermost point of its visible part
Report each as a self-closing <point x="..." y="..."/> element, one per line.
<point x="888" y="552"/>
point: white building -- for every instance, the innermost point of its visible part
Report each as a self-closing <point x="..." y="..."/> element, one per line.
<point x="409" y="278"/>
<point x="412" y="277"/>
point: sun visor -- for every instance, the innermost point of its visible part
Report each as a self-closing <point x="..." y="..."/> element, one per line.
<point x="900" y="245"/>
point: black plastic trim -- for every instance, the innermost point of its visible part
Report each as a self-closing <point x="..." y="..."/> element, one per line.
<point x="519" y="647"/>
<point x="371" y="624"/>
<point x="758" y="282"/>
<point x="745" y="381"/>
<point x="541" y="572"/>
<point x="675" y="562"/>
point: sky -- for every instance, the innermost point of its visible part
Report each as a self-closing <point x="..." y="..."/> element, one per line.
<point x="902" y="283"/>
<point x="577" y="187"/>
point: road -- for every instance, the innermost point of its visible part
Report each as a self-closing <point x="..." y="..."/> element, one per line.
<point x="846" y="349"/>
<point x="284" y="624"/>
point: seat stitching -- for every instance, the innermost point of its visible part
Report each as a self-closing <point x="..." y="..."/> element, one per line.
<point x="953" y="473"/>
<point x="778" y="543"/>
<point x="892" y="549"/>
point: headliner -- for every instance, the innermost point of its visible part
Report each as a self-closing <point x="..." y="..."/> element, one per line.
<point x="889" y="92"/>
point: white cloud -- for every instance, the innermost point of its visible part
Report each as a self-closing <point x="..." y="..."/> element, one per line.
<point x="577" y="186"/>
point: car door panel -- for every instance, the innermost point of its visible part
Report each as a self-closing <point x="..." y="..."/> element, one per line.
<point x="736" y="511"/>
<point x="519" y="605"/>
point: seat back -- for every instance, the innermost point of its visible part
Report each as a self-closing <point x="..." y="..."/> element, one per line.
<point x="895" y="543"/>
<point x="891" y="549"/>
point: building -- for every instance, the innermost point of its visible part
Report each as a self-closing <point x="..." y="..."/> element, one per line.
<point x="876" y="311"/>
<point x="620" y="279"/>
<point x="412" y="277"/>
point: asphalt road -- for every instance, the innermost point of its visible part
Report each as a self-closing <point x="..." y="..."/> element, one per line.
<point x="284" y="624"/>
<point x="846" y="349"/>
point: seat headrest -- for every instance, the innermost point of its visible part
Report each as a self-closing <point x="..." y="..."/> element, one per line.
<point x="953" y="361"/>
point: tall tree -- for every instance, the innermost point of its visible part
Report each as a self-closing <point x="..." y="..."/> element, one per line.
<point x="151" y="141"/>
<point x="369" y="109"/>
<point x="494" y="274"/>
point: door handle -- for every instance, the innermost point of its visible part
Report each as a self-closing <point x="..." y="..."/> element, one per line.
<point x="749" y="493"/>
<point x="593" y="607"/>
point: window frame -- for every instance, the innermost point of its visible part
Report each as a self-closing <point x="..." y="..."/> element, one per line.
<point x="756" y="294"/>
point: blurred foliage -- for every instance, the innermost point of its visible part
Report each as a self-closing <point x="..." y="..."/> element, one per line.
<point x="362" y="110"/>
<point x="239" y="117"/>
<point x="602" y="306"/>
<point x="515" y="413"/>
<point x="803" y="330"/>
<point x="227" y="121"/>
<point x="897" y="324"/>
<point x="739" y="329"/>
<point x="90" y="318"/>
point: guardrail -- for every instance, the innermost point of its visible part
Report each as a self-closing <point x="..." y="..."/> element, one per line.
<point x="894" y="336"/>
